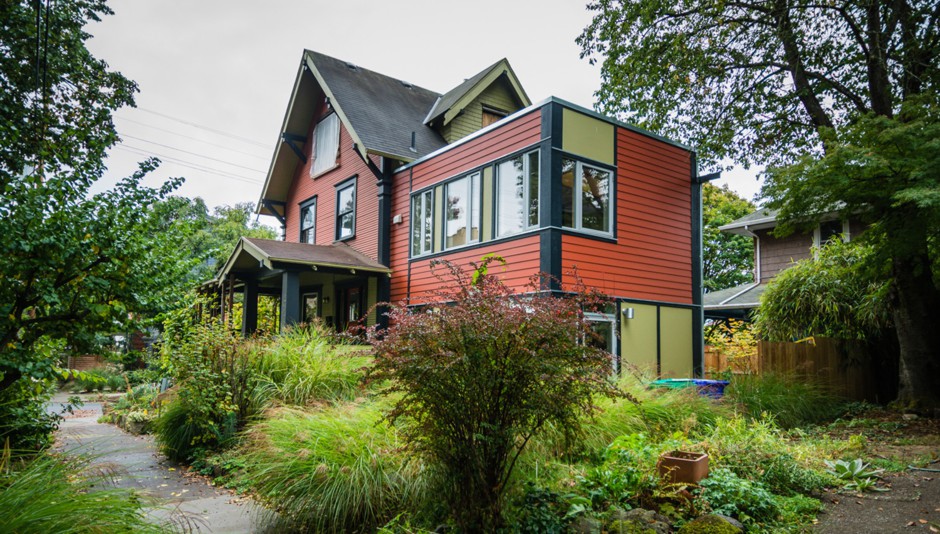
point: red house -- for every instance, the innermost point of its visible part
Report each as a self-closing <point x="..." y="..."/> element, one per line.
<point x="374" y="177"/>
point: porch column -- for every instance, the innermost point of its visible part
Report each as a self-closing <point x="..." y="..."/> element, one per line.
<point x="250" y="307"/>
<point x="290" y="299"/>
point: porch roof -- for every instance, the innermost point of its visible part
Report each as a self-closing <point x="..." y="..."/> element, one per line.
<point x="255" y="254"/>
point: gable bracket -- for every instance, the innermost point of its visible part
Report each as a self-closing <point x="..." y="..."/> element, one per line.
<point x="272" y="206"/>
<point x="291" y="139"/>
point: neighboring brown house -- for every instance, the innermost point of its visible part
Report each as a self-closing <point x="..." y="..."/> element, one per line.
<point x="771" y="255"/>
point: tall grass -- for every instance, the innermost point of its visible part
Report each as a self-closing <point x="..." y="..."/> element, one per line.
<point x="791" y="401"/>
<point x="307" y="365"/>
<point x="176" y="431"/>
<point x="64" y="495"/>
<point x="337" y="468"/>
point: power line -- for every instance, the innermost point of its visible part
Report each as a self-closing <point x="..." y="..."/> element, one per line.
<point x="191" y="153"/>
<point x="207" y="128"/>
<point x="189" y="164"/>
<point x="144" y="124"/>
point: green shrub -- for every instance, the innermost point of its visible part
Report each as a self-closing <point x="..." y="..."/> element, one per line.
<point x="65" y="495"/>
<point x="478" y="379"/>
<point x="748" y="501"/>
<point x="792" y="401"/>
<point x="24" y="420"/>
<point x="306" y="365"/>
<point x="338" y="468"/>
<point x="177" y="431"/>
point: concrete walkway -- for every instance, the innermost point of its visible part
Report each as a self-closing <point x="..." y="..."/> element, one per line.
<point x="187" y="501"/>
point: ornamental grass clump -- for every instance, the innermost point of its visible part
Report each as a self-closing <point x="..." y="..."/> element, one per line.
<point x="475" y="378"/>
<point x="337" y="468"/>
<point x="307" y="365"/>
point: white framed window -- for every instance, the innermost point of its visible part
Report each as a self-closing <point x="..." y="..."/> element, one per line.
<point x="422" y="223"/>
<point x="325" y="145"/>
<point x="462" y="209"/>
<point x="586" y="193"/>
<point x="826" y="231"/>
<point x="346" y="209"/>
<point x="517" y="194"/>
<point x="308" y="221"/>
<point x="604" y="327"/>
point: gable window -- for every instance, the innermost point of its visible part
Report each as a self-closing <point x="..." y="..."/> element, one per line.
<point x="346" y="209"/>
<point x="585" y="197"/>
<point x="462" y="224"/>
<point x="308" y="221"/>
<point x="491" y="115"/>
<point x="325" y="144"/>
<point x="422" y="223"/>
<point x="517" y="194"/>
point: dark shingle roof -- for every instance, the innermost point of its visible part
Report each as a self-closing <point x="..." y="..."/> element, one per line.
<point x="761" y="216"/>
<point x="383" y="111"/>
<point x="742" y="296"/>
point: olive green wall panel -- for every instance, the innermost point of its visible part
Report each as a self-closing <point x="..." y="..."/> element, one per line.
<point x="675" y="342"/>
<point x="638" y="336"/>
<point x="587" y="136"/>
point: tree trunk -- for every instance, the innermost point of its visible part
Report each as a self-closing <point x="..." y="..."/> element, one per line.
<point x="915" y="309"/>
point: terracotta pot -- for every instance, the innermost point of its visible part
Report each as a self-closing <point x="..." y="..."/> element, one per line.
<point x="683" y="467"/>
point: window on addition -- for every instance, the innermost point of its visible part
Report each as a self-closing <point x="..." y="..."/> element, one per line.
<point x="422" y="223"/>
<point x="585" y="197"/>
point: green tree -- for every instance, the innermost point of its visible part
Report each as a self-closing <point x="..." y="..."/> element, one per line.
<point x="473" y="382"/>
<point x="74" y="264"/>
<point x="727" y="260"/>
<point x="758" y="82"/>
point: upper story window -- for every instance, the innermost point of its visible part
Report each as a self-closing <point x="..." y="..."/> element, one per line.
<point x="422" y="223"/>
<point x="308" y="221"/>
<point x="517" y="194"/>
<point x="325" y="144"/>
<point x="346" y="209"/>
<point x="491" y="115"/>
<point x="585" y="197"/>
<point x="462" y="225"/>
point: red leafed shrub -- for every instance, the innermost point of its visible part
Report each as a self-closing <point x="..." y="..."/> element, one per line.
<point x="474" y="377"/>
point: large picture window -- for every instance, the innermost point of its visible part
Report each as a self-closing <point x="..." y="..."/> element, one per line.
<point x="422" y="223"/>
<point x="585" y="197"/>
<point x="325" y="144"/>
<point x="462" y="199"/>
<point x="308" y="221"/>
<point x="346" y="210"/>
<point x="517" y="194"/>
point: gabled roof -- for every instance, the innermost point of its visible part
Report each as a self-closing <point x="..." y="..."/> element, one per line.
<point x="735" y="302"/>
<point x="254" y="254"/>
<point x="451" y="103"/>
<point x="379" y="112"/>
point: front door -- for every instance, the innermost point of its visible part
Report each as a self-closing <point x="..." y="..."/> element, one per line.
<point x="350" y="307"/>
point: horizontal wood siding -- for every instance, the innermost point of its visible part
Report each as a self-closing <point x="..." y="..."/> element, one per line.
<point x="502" y="141"/>
<point x="303" y="187"/>
<point x="652" y="256"/>
<point x="776" y="254"/>
<point x="522" y="262"/>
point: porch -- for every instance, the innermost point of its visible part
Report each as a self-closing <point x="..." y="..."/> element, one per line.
<point x="333" y="283"/>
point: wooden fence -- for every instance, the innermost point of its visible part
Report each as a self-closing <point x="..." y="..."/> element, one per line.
<point x="847" y="369"/>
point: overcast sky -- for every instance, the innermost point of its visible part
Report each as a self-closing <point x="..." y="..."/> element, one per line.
<point x="215" y="76"/>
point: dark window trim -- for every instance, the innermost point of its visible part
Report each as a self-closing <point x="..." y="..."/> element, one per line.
<point x="611" y="233"/>
<point x="479" y="203"/>
<point x="312" y="201"/>
<point x="479" y="168"/>
<point x="526" y="226"/>
<point x="411" y="222"/>
<point x="347" y="183"/>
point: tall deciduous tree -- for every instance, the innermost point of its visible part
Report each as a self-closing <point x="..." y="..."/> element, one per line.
<point x="74" y="263"/>
<point x="727" y="260"/>
<point x="778" y="81"/>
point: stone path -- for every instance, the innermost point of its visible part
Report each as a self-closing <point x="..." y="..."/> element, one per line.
<point x="188" y="501"/>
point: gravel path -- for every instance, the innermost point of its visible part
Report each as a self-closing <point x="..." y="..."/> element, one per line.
<point x="188" y="501"/>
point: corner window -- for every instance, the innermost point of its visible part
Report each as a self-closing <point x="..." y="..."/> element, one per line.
<point x="308" y="221"/>
<point x="517" y="194"/>
<point x="585" y="197"/>
<point x="462" y="224"/>
<point x="346" y="210"/>
<point x="422" y="223"/>
<point x="325" y="144"/>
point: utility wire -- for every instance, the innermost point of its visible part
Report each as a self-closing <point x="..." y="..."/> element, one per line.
<point x="191" y="153"/>
<point x="188" y="164"/>
<point x="213" y="130"/>
<point x="229" y="148"/>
